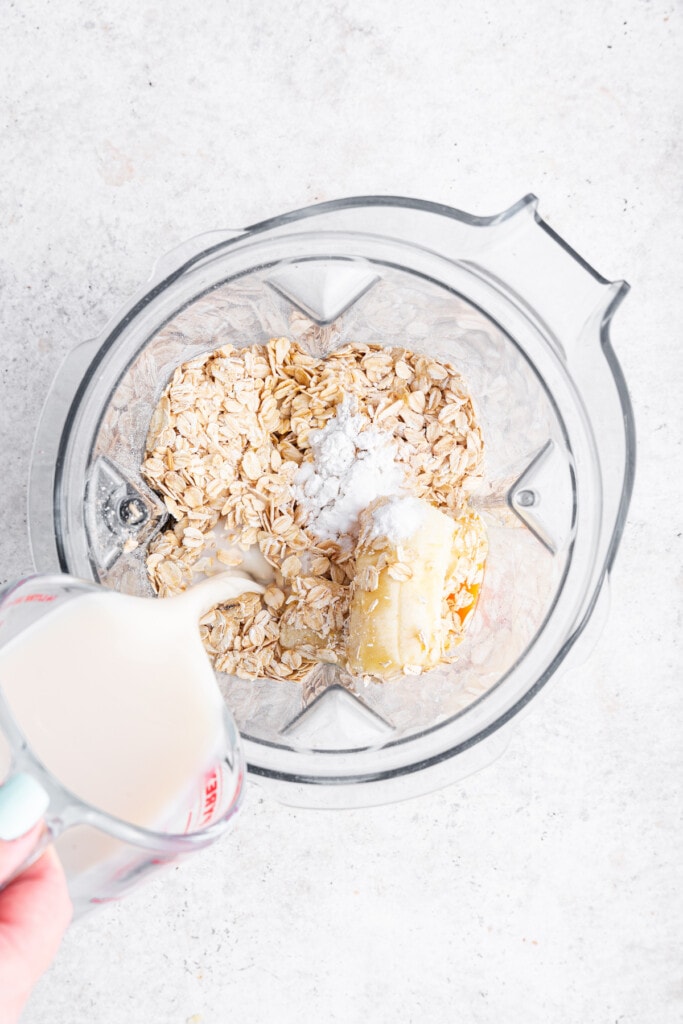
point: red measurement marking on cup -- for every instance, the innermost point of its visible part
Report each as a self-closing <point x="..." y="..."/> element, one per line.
<point x="204" y="811"/>
<point x="26" y="598"/>
<point x="210" y="798"/>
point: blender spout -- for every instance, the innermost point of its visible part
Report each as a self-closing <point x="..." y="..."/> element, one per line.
<point x="543" y="275"/>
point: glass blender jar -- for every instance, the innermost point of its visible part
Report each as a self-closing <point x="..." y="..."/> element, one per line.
<point x="526" y="322"/>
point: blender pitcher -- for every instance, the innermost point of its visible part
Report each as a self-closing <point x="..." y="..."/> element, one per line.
<point x="525" y="320"/>
<point x="103" y="855"/>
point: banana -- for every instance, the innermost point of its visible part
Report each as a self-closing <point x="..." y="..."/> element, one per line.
<point x="417" y="577"/>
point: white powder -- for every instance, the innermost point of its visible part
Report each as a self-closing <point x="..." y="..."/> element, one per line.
<point x="398" y="519"/>
<point x="353" y="463"/>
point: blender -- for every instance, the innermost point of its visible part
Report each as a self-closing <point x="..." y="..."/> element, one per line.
<point x="521" y="316"/>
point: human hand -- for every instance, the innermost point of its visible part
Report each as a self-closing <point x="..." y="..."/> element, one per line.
<point x="35" y="911"/>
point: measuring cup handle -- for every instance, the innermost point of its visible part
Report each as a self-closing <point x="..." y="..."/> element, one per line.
<point x="23" y="802"/>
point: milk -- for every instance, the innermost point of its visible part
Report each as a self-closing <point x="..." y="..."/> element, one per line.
<point x="117" y="698"/>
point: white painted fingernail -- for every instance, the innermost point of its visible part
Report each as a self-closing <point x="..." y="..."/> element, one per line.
<point x="23" y="802"/>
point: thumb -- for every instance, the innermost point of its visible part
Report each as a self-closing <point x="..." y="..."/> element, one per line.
<point x="14" y="853"/>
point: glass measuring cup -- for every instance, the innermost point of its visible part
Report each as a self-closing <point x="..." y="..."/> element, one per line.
<point x="103" y="855"/>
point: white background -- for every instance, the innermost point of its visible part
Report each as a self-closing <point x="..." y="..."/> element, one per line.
<point x="546" y="888"/>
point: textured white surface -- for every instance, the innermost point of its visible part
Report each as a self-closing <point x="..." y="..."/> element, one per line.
<point x="546" y="888"/>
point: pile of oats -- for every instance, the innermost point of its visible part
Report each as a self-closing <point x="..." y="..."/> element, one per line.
<point x="225" y="441"/>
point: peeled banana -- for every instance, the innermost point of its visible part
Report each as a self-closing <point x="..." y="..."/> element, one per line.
<point x="417" y="576"/>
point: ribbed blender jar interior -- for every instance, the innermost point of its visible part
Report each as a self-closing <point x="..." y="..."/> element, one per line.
<point x="324" y="301"/>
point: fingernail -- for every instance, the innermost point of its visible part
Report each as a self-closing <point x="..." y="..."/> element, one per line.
<point x="23" y="802"/>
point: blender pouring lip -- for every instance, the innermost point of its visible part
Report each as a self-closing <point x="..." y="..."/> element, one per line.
<point x="65" y="407"/>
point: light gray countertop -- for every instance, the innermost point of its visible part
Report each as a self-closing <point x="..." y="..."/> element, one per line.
<point x="547" y="887"/>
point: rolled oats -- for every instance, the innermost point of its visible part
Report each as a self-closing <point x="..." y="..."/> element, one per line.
<point x="224" y="443"/>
